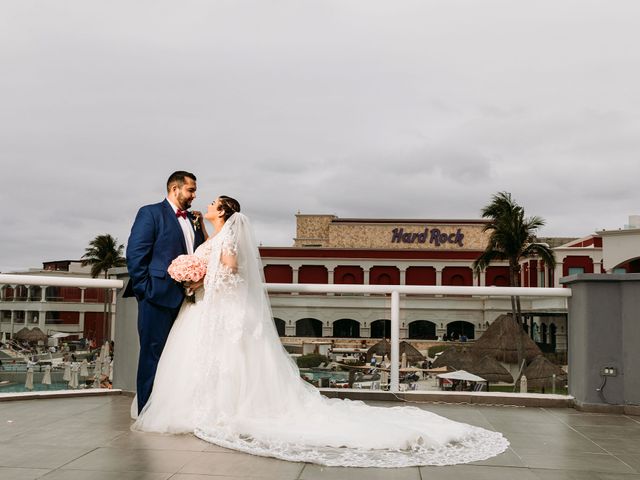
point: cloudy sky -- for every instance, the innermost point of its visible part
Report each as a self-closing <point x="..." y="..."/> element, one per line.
<point x="401" y="109"/>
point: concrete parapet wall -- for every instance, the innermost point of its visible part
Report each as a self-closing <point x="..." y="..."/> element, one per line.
<point x="604" y="332"/>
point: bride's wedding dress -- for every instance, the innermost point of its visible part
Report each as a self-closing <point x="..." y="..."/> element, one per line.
<point x="225" y="376"/>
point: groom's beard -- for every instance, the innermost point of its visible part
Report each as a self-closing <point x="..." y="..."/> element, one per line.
<point x="184" y="203"/>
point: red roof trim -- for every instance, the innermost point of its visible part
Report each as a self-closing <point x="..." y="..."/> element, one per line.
<point x="401" y="221"/>
<point x="351" y="253"/>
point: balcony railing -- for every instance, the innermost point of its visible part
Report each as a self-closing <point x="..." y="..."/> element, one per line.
<point x="395" y="291"/>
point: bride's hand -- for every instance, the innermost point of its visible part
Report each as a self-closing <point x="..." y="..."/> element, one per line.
<point x="200" y="218"/>
<point x="194" y="286"/>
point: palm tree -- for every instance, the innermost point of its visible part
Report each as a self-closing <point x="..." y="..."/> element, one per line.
<point x="512" y="238"/>
<point x="102" y="254"/>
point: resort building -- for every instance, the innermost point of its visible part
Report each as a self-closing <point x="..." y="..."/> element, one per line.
<point x="332" y="250"/>
<point x="78" y="312"/>
<point x="329" y="249"/>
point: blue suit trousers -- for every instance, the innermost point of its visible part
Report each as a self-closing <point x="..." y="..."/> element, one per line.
<point x="154" y="324"/>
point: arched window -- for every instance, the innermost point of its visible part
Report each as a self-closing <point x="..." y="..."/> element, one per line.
<point x="346" y="328"/>
<point x="308" y="327"/>
<point x="456" y="329"/>
<point x="552" y="335"/>
<point x="348" y="279"/>
<point x="422" y="329"/>
<point x="280" y="324"/>
<point x="381" y="329"/>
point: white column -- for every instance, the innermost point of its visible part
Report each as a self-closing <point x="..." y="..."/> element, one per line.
<point x="367" y="272"/>
<point x="81" y="322"/>
<point x="596" y="266"/>
<point x="439" y="275"/>
<point x="403" y="275"/>
<point x="330" y="269"/>
<point x="43" y="296"/>
<point x="112" y="313"/>
<point x="26" y="317"/>
<point x="294" y="277"/>
<point x="82" y="290"/>
<point x="13" y="321"/>
<point x="395" y="342"/>
<point x="366" y="280"/>
<point x="28" y="293"/>
<point x="558" y="274"/>
<point x="14" y="291"/>
<point x="482" y="278"/>
<point x="547" y="276"/>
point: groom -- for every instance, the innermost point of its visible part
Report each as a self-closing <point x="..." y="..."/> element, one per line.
<point x="160" y="233"/>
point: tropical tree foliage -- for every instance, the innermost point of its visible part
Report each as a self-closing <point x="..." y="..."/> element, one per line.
<point x="102" y="254"/>
<point x="512" y="238"/>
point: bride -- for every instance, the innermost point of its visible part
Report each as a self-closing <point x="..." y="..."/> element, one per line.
<point x="225" y="377"/>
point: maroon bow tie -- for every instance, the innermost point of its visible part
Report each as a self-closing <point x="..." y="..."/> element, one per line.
<point x="181" y="213"/>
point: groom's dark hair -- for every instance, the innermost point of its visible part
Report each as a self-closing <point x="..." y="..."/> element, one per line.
<point x="178" y="177"/>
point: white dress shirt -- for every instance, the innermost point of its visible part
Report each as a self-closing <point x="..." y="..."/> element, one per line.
<point x="187" y="229"/>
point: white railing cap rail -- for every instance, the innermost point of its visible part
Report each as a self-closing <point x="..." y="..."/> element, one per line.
<point x="54" y="281"/>
<point x="419" y="290"/>
<point x="83" y="282"/>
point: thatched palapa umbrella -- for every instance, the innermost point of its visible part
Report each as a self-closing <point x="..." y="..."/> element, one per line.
<point x="32" y="336"/>
<point x="465" y="358"/>
<point x="383" y="347"/>
<point x="456" y="358"/>
<point x="491" y="370"/>
<point x="20" y="334"/>
<point x="36" y="335"/>
<point x="500" y="341"/>
<point x="412" y="353"/>
<point x="540" y="373"/>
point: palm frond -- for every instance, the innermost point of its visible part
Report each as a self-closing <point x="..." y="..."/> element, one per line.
<point x="102" y="254"/>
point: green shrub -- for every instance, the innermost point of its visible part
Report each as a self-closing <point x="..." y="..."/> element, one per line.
<point x="311" y="360"/>
<point x="438" y="348"/>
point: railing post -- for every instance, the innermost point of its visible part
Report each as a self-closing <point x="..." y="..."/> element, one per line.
<point x="395" y="342"/>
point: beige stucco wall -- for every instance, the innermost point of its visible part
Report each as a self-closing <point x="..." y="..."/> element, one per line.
<point x="322" y="230"/>
<point x="312" y="230"/>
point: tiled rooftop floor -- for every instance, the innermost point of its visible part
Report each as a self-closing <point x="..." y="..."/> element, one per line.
<point x="89" y="438"/>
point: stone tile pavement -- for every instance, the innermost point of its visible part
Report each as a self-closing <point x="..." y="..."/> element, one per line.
<point x="89" y="438"/>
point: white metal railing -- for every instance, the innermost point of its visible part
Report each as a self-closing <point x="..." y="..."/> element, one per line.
<point x="396" y="290"/>
<point x="53" y="281"/>
<point x="393" y="290"/>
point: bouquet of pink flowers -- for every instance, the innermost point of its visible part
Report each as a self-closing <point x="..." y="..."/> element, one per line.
<point x="188" y="268"/>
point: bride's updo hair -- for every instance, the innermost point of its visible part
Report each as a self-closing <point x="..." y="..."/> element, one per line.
<point x="228" y="205"/>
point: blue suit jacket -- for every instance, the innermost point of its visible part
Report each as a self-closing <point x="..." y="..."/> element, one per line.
<point x="155" y="240"/>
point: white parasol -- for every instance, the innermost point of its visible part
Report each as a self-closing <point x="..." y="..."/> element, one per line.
<point x="73" y="383"/>
<point x="66" y="376"/>
<point x="97" y="369"/>
<point x="28" y="384"/>
<point x="461" y="375"/>
<point x="46" y="378"/>
<point x="84" y="368"/>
